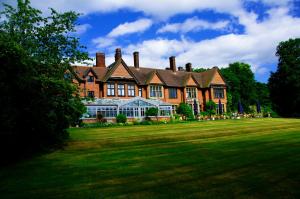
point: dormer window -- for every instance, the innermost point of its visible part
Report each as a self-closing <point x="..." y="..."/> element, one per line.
<point x="90" y="78"/>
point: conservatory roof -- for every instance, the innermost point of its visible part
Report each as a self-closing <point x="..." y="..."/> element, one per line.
<point x="137" y="101"/>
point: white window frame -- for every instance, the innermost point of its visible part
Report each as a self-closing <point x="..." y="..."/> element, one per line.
<point x="110" y="89"/>
<point x="156" y="91"/>
<point x="121" y="90"/>
<point x="191" y="92"/>
<point x="131" y="90"/>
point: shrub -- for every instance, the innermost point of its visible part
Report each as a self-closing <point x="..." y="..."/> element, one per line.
<point x="121" y="118"/>
<point x="185" y="110"/>
<point x="100" y="118"/>
<point x="211" y="107"/>
<point x="152" y="111"/>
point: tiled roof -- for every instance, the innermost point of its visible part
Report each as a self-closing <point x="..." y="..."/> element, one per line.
<point x="143" y="75"/>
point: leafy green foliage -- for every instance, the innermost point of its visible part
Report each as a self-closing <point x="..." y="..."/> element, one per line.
<point x="185" y="110"/>
<point x="241" y="85"/>
<point x="284" y="84"/>
<point x="210" y="107"/>
<point x="152" y="111"/>
<point x="121" y="118"/>
<point x="199" y="70"/>
<point x="35" y="97"/>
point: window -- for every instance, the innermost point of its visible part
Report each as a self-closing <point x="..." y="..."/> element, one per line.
<point x="91" y="112"/>
<point x="155" y="91"/>
<point x="140" y="92"/>
<point x="131" y="90"/>
<point x="121" y="90"/>
<point x="217" y="109"/>
<point x="129" y="111"/>
<point x="219" y="92"/>
<point x="110" y="89"/>
<point x="90" y="79"/>
<point x="107" y="111"/>
<point x="91" y="94"/>
<point x="67" y="76"/>
<point x="172" y="93"/>
<point x="165" y="111"/>
<point x="191" y="92"/>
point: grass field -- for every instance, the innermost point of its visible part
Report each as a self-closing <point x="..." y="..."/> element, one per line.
<point x="253" y="158"/>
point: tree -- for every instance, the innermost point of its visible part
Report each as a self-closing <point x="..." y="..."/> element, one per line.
<point x="210" y="108"/>
<point x="241" y="84"/>
<point x="185" y="110"/>
<point x="199" y="70"/>
<point x="263" y="94"/>
<point x="38" y="103"/>
<point x="284" y="84"/>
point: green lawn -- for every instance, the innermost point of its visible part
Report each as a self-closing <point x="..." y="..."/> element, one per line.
<point x="253" y="158"/>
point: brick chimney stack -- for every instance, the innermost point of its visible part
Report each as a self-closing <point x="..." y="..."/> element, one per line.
<point x="118" y="54"/>
<point x="188" y="67"/>
<point x="172" y="63"/>
<point x="100" y="60"/>
<point x="136" y="59"/>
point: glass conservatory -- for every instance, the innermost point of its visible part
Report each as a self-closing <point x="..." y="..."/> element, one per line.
<point x="132" y="108"/>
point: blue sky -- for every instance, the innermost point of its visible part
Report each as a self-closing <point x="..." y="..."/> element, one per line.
<point x="206" y="33"/>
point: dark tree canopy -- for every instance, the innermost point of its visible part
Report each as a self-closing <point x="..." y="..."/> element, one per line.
<point x="284" y="84"/>
<point x="241" y="85"/>
<point x="38" y="103"/>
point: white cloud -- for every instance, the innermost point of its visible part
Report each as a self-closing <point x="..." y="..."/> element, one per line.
<point x="193" y="25"/>
<point x="123" y="29"/>
<point x="158" y="9"/>
<point x="257" y="46"/>
<point x="81" y="29"/>
<point x="103" y="42"/>
<point x="131" y="27"/>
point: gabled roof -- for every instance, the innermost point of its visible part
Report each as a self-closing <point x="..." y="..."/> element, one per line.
<point x="113" y="67"/>
<point x="144" y="75"/>
<point x="82" y="71"/>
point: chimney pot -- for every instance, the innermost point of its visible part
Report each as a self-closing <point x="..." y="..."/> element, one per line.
<point x="188" y="67"/>
<point x="172" y="63"/>
<point x="118" y="54"/>
<point x="136" y="59"/>
<point x="100" y="60"/>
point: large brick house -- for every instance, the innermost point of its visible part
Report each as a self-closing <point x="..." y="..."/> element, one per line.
<point x="119" y="88"/>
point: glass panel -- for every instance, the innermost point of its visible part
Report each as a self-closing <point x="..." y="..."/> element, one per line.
<point x="155" y="91"/>
<point x="131" y="90"/>
<point x="121" y="90"/>
<point x="139" y="103"/>
<point x="218" y="92"/>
